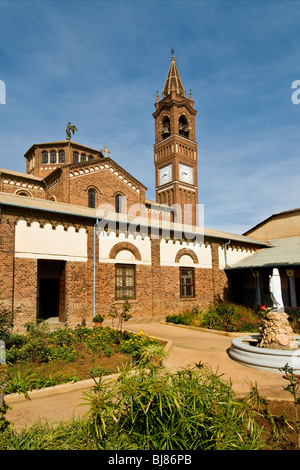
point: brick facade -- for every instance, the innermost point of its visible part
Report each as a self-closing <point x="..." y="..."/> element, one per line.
<point x="60" y="251"/>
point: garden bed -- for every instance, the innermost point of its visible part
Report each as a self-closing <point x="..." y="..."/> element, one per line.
<point x="225" y="317"/>
<point x="40" y="358"/>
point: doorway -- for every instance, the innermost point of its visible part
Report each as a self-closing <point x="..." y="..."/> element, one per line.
<point x="51" y="289"/>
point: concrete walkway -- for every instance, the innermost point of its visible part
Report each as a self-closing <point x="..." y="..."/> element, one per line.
<point x="188" y="346"/>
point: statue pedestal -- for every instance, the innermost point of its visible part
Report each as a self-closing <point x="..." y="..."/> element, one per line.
<point x="276" y="332"/>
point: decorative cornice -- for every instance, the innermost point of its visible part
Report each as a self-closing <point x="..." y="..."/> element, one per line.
<point x="77" y="172"/>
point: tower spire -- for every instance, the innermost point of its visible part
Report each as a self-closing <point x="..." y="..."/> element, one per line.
<point x="173" y="80"/>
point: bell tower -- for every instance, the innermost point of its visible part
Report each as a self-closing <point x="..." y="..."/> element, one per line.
<point x="175" y="149"/>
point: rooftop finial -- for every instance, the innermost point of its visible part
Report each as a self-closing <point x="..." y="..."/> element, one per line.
<point x="172" y="52"/>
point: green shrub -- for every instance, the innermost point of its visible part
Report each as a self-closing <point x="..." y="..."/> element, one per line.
<point x="190" y="409"/>
<point x="220" y="315"/>
<point x="64" y="436"/>
<point x="178" y="319"/>
<point x="6" y="324"/>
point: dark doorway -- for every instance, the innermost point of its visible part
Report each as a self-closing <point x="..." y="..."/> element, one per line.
<point x="49" y="298"/>
<point x="51" y="289"/>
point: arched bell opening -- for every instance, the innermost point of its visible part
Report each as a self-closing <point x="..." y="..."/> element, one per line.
<point x="183" y="127"/>
<point x="166" y="132"/>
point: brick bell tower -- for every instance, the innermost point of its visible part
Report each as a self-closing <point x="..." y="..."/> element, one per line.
<point x="175" y="149"/>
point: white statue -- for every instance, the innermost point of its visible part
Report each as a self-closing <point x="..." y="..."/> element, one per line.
<point x="275" y="291"/>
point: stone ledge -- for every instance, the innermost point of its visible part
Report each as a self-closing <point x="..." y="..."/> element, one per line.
<point x="206" y="330"/>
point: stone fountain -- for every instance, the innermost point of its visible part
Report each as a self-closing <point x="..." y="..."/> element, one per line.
<point x="275" y="345"/>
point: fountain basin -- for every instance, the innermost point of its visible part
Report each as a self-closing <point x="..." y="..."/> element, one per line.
<point x="244" y="351"/>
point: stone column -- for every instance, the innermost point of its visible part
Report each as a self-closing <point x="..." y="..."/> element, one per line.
<point x="290" y="273"/>
<point x="257" y="288"/>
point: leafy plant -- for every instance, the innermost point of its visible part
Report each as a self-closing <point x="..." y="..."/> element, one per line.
<point x="190" y="409"/>
<point x="177" y="319"/>
<point x="122" y="316"/>
<point x="152" y="355"/>
<point x="4" y="423"/>
<point x="221" y="315"/>
<point x="98" y="318"/>
<point x="293" y="389"/>
<point x="6" y="324"/>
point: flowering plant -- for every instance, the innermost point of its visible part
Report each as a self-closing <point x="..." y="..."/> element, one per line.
<point x="245" y="324"/>
<point x="264" y="309"/>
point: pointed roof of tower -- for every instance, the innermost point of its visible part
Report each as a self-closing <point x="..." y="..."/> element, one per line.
<point x="173" y="80"/>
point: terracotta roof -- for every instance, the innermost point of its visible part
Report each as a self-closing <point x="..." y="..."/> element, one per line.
<point x="20" y="175"/>
<point x="173" y="80"/>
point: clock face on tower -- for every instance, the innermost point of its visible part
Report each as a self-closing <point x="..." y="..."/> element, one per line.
<point x="165" y="174"/>
<point x="185" y="173"/>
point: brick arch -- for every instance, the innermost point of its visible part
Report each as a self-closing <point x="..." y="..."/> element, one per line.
<point x="23" y="192"/>
<point x="125" y="246"/>
<point x="186" y="251"/>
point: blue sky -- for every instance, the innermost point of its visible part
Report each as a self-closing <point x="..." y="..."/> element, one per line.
<point x="99" y="64"/>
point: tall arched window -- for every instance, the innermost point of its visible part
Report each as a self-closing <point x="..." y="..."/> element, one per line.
<point x="118" y="203"/>
<point x="44" y="157"/>
<point x="75" y="157"/>
<point x="83" y="157"/>
<point x="183" y="127"/>
<point x="166" y="128"/>
<point x="52" y="156"/>
<point x="61" y="156"/>
<point x="91" y="198"/>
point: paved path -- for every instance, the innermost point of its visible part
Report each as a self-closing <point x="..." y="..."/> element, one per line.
<point x="188" y="347"/>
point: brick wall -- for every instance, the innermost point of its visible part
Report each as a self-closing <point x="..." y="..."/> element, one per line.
<point x="157" y="287"/>
<point x="25" y="289"/>
<point x="7" y="242"/>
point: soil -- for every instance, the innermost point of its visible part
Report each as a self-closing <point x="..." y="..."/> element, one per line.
<point x="282" y="433"/>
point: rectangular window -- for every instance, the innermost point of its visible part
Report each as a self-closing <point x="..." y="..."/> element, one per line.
<point x="187" y="285"/>
<point x="125" y="281"/>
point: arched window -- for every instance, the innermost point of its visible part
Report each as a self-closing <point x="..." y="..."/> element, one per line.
<point x="183" y="127"/>
<point x="90" y="157"/>
<point x="83" y="157"/>
<point x="44" y="157"/>
<point x="52" y="156"/>
<point x="91" y="198"/>
<point x="118" y="203"/>
<point x="75" y="157"/>
<point x="23" y="193"/>
<point x="166" y="128"/>
<point x="61" y="156"/>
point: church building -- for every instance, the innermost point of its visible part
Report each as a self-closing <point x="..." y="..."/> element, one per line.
<point x="78" y="234"/>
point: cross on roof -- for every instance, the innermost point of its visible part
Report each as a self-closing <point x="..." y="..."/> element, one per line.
<point x="105" y="150"/>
